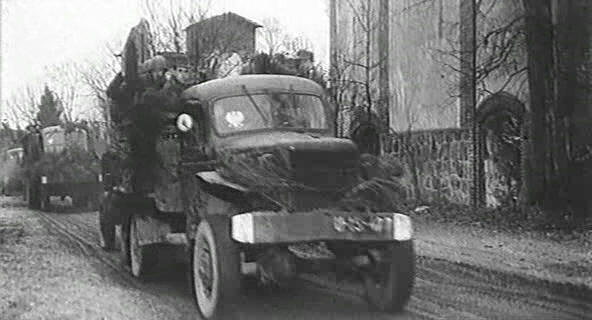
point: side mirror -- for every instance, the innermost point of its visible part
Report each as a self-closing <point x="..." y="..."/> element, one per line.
<point x="184" y="122"/>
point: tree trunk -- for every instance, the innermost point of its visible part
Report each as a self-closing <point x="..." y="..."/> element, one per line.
<point x="540" y="65"/>
<point x="553" y="46"/>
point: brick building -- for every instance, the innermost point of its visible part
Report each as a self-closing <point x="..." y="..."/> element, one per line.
<point x="228" y="32"/>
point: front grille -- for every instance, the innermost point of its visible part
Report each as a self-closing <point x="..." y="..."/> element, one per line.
<point x="324" y="171"/>
<point x="325" y="178"/>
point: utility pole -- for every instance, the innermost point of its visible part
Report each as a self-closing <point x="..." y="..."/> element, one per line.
<point x="476" y="165"/>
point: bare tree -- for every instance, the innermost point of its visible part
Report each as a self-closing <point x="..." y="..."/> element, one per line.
<point x="296" y="43"/>
<point x="500" y="46"/>
<point x="340" y="89"/>
<point x="96" y="75"/>
<point x="273" y="38"/>
<point x="21" y="107"/>
<point x="168" y="19"/>
<point x="365" y="61"/>
<point x="355" y="67"/>
<point x="65" y="82"/>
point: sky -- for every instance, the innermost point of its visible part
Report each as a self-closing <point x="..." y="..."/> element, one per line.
<point x="36" y="34"/>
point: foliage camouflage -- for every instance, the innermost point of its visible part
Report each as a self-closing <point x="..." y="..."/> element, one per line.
<point x="140" y="109"/>
<point x="72" y="165"/>
<point x="376" y="189"/>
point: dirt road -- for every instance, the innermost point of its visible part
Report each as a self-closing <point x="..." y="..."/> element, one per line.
<point x="443" y="290"/>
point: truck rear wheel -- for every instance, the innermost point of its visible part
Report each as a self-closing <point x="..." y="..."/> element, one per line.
<point x="44" y="203"/>
<point x="388" y="286"/>
<point x="79" y="201"/>
<point x="216" y="269"/>
<point x="107" y="228"/>
<point x="142" y="257"/>
<point x="124" y="247"/>
<point x="33" y="196"/>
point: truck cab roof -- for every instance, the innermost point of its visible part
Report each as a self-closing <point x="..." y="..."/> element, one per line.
<point x="255" y="83"/>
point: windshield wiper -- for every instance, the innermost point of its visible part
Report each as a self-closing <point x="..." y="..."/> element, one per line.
<point x="254" y="103"/>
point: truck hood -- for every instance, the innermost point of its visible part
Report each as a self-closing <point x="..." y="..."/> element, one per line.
<point x="277" y="159"/>
<point x="293" y="141"/>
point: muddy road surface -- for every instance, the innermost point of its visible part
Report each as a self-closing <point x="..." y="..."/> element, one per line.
<point x="443" y="290"/>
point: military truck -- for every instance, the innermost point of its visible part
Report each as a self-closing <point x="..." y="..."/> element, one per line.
<point x="11" y="180"/>
<point x="58" y="162"/>
<point x="246" y="174"/>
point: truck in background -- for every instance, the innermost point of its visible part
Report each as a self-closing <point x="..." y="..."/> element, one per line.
<point x="11" y="178"/>
<point x="58" y="162"/>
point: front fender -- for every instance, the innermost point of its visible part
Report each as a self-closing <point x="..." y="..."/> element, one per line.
<point x="212" y="177"/>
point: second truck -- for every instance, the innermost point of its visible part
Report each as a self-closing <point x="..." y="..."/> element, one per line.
<point x="58" y="161"/>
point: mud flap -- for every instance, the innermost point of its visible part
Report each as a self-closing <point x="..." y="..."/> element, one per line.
<point x="152" y="231"/>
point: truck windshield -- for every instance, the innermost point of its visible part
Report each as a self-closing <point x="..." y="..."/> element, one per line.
<point x="56" y="139"/>
<point x="269" y="111"/>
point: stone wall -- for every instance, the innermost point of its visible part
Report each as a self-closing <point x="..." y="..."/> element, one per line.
<point x="437" y="163"/>
<point x="425" y="95"/>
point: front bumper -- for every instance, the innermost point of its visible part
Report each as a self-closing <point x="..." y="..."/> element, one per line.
<point x="263" y="227"/>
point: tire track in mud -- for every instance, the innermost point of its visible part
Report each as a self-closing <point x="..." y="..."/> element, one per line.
<point x="527" y="294"/>
<point x="469" y="282"/>
<point x="459" y="281"/>
<point x="443" y="289"/>
<point x="79" y="232"/>
<point x="88" y="247"/>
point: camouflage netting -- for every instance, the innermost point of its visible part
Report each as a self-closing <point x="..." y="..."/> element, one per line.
<point x="72" y="164"/>
<point x="379" y="188"/>
<point x="140" y="111"/>
<point x="259" y="171"/>
<point x="376" y="189"/>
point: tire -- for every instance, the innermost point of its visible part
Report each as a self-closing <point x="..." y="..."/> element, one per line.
<point x="124" y="246"/>
<point x="93" y="203"/>
<point x="216" y="269"/>
<point x="78" y="201"/>
<point x="390" y="289"/>
<point x="107" y="228"/>
<point x="142" y="258"/>
<point x="44" y="203"/>
<point x="33" y="199"/>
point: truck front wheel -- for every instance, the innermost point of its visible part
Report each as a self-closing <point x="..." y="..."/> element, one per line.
<point x="389" y="282"/>
<point x="216" y="269"/>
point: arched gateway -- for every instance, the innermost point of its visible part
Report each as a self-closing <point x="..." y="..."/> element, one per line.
<point x="500" y="121"/>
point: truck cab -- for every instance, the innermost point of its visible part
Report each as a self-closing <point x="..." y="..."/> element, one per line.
<point x="267" y="132"/>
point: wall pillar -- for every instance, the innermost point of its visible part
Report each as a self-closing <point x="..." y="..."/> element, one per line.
<point x="468" y="95"/>
<point x="467" y="60"/>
